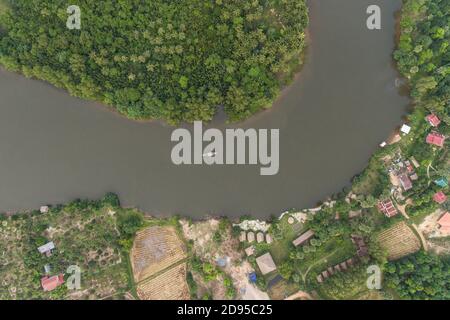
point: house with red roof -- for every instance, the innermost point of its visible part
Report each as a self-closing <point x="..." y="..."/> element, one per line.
<point x="51" y="283"/>
<point x="440" y="197"/>
<point x="433" y="120"/>
<point x="387" y="207"/>
<point x="436" y="139"/>
<point x="444" y="223"/>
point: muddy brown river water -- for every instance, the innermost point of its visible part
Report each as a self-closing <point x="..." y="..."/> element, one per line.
<point x="55" y="148"/>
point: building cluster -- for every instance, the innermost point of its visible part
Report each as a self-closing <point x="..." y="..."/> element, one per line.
<point x="48" y="282"/>
<point x="437" y="139"/>
<point x="387" y="208"/>
<point x="361" y="247"/>
<point x="343" y="266"/>
<point x="251" y="237"/>
<point x="403" y="170"/>
<point x="434" y="137"/>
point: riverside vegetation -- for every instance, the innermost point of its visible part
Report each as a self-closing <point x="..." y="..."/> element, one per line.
<point x="159" y="60"/>
<point x="423" y="58"/>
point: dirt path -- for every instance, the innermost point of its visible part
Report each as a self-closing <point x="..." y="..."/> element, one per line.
<point x="428" y="171"/>
<point x="421" y="236"/>
<point x="439" y="249"/>
<point x="402" y="208"/>
<point x="324" y="259"/>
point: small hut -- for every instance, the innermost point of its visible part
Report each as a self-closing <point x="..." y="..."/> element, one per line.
<point x="259" y="237"/>
<point x="250" y="236"/>
<point x="266" y="263"/>
<point x="303" y="238"/>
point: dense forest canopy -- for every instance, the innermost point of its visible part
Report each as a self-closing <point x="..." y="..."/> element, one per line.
<point x="420" y="276"/>
<point x="156" y="59"/>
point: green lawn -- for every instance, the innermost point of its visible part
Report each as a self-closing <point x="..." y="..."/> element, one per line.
<point x="332" y="252"/>
<point x="280" y="247"/>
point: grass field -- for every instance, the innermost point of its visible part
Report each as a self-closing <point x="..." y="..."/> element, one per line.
<point x="4" y="8"/>
<point x="399" y="241"/>
<point x="329" y="254"/>
<point x="279" y="249"/>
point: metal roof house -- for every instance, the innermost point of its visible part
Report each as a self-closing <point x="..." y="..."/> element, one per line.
<point x="303" y="238"/>
<point x="433" y="120"/>
<point x="266" y="263"/>
<point x="47" y="248"/>
<point x="444" y="222"/>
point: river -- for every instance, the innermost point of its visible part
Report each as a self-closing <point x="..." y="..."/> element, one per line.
<point x="55" y="148"/>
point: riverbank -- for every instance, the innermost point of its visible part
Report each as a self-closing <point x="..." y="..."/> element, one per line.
<point x="331" y="109"/>
<point x="155" y="80"/>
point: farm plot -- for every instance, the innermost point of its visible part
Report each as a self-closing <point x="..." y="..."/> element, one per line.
<point x="169" y="285"/>
<point x="399" y="241"/>
<point x="155" y="249"/>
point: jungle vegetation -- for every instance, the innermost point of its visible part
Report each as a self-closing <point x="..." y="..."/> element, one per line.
<point x="155" y="59"/>
<point x="423" y="54"/>
<point x="420" y="276"/>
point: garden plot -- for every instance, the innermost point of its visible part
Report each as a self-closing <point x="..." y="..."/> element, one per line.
<point x="399" y="241"/>
<point x="155" y="249"/>
<point x="169" y="285"/>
